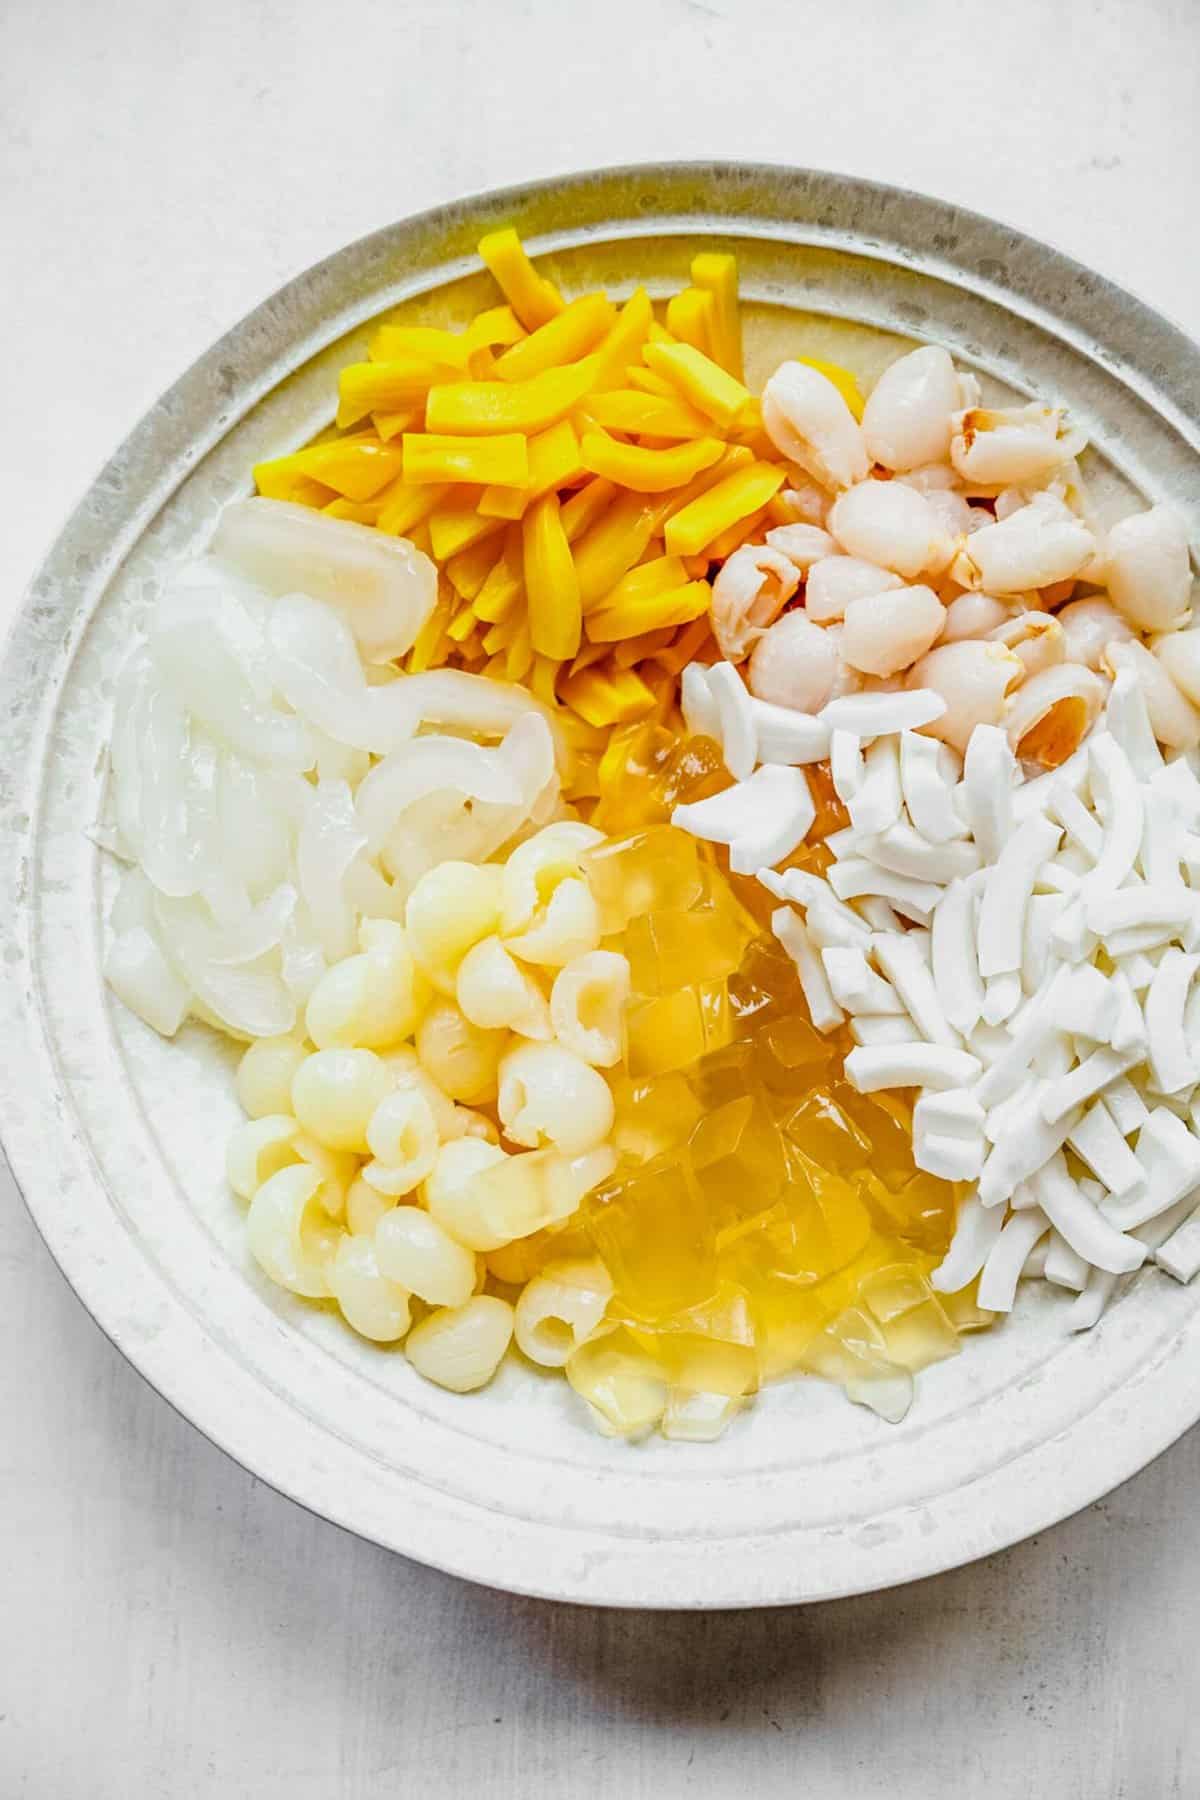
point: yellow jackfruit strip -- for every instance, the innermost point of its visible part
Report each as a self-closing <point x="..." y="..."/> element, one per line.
<point x="534" y="299"/>
<point x="653" y="612"/>
<point x="502" y="460"/>
<point x="716" y="273"/>
<point x="391" y="425"/>
<point x="686" y="647"/>
<point x="637" y="649"/>
<point x="607" y="697"/>
<point x="385" y="387"/>
<point x="359" y="512"/>
<point x="405" y="506"/>
<point x="518" y="658"/>
<point x="740" y="494"/>
<point x="468" y="571"/>
<point x="646" y="580"/>
<point x="449" y="347"/>
<point x="690" y="319"/>
<point x="616" y="541"/>
<point x="646" y="415"/>
<point x="543" y="678"/>
<point x="709" y="388"/>
<point x="278" y="480"/>
<point x="649" y="383"/>
<point x="553" y="462"/>
<point x="647" y="471"/>
<point x="479" y="408"/>
<point x="422" y="654"/>
<point x="564" y="339"/>
<point x="354" y="467"/>
<point x="583" y="509"/>
<point x="457" y="526"/>
<point x="623" y="344"/>
<point x="494" y="329"/>
<point x="842" y="380"/>
<point x="503" y="587"/>
<point x="551" y="582"/>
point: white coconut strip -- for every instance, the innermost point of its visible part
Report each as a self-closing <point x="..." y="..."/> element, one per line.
<point x="1040" y="916"/>
<point x="1001" y="998"/>
<point x="1125" y="1106"/>
<point x="1178" y="779"/>
<point x="1161" y="826"/>
<point x="1128" y="721"/>
<point x="1097" y="1141"/>
<point x="846" y="766"/>
<point x="1138" y="971"/>
<point x="1137" y="938"/>
<point x="877" y="804"/>
<point x="928" y="779"/>
<point x="1005" y="1118"/>
<point x="906" y="968"/>
<point x="1076" y="821"/>
<point x="1171" y="1062"/>
<point x="883" y="1028"/>
<point x="951" y="1158"/>
<point x="989" y="775"/>
<point x="779" y="814"/>
<point x="1007" y="1259"/>
<point x="878" y="914"/>
<point x="856" y="876"/>
<point x="1156" y="1231"/>
<point x="1006" y="894"/>
<point x="785" y="736"/>
<point x="1180" y="1254"/>
<point x="829" y="927"/>
<point x="955" y="960"/>
<point x="905" y="851"/>
<point x="1084" y="1082"/>
<point x="1131" y="907"/>
<point x="1021" y="1153"/>
<point x="698" y="704"/>
<point x="975" y="1232"/>
<point x="1087" y="1231"/>
<point x="1169" y="1157"/>
<point x="810" y="890"/>
<point x="1088" y="1005"/>
<point x="1118" y="798"/>
<point x="1034" y="796"/>
<point x="1088" y="1309"/>
<point x="954" y="1112"/>
<point x="788" y="927"/>
<point x="1034" y="1026"/>
<point x="1064" y="1266"/>
<point x="1070" y="937"/>
<point x="871" y="715"/>
<point x="855" y="984"/>
<point x="871" y="1067"/>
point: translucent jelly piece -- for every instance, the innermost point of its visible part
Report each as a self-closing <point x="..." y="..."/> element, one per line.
<point x="788" y="1316"/>
<point x="709" y="1348"/>
<point x="920" y="1211"/>
<point x="694" y="770"/>
<point x="789" y="1056"/>
<point x="652" y="1230"/>
<point x="520" y="1261"/>
<point x="620" y="1381"/>
<point x="652" y="1115"/>
<point x="724" y="1074"/>
<point x="765" y="986"/>
<point x="535" y="1189"/>
<point x="915" y="1328"/>
<point x="964" y="1311"/>
<point x="822" y="1225"/>
<point x="739" y="1159"/>
<point x="885" y="1119"/>
<point x="825" y="1131"/>
<point x="655" y="870"/>
<point x="699" y="1418"/>
<point x="632" y="774"/>
<point x="671" y="950"/>
<point x="852" y="1351"/>
<point x="671" y="1031"/>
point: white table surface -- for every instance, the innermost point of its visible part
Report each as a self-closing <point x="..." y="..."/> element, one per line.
<point x="168" y="1626"/>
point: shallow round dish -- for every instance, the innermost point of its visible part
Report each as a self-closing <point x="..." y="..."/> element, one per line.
<point x="116" y="1138"/>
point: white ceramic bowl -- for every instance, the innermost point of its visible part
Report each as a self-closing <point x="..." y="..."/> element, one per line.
<point x="117" y="1138"/>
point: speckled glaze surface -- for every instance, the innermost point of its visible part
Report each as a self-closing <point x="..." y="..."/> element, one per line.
<point x="116" y="1139"/>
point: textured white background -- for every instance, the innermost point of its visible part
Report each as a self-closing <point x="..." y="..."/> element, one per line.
<point x="168" y="1627"/>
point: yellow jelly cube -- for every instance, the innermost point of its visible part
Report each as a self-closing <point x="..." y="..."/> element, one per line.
<point x="654" y="870"/>
<point x="652" y="1116"/>
<point x="824" y="1131"/>
<point x="655" y="1236"/>
<point x="915" y="1327"/>
<point x="739" y="1160"/>
<point x="671" y="949"/>
<point x="625" y="1386"/>
<point x="709" y="1348"/>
